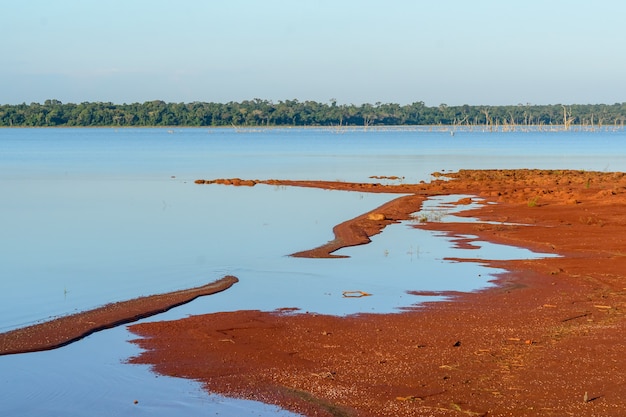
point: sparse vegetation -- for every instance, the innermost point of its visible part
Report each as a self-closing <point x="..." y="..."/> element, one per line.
<point x="533" y="201"/>
<point x="426" y="216"/>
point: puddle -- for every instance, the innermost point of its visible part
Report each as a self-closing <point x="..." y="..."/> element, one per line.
<point x="443" y="208"/>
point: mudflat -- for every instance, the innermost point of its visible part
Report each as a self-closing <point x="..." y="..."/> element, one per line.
<point x="547" y="340"/>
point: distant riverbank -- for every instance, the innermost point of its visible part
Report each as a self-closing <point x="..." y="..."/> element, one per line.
<point x="266" y="113"/>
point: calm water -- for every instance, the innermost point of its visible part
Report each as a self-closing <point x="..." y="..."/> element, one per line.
<point x="91" y="216"/>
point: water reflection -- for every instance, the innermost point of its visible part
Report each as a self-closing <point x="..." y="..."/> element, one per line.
<point x="100" y="241"/>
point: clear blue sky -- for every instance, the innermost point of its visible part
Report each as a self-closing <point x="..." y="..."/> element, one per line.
<point x="355" y="51"/>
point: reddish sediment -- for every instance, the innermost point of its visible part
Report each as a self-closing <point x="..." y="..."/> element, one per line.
<point x="67" y="329"/>
<point x="547" y="340"/>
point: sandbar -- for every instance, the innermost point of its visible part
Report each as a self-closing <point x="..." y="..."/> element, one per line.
<point x="64" y="330"/>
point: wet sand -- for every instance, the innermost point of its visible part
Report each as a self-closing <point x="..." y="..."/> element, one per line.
<point x="64" y="330"/>
<point x="548" y="340"/>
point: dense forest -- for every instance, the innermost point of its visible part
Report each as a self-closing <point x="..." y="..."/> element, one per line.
<point x="259" y="112"/>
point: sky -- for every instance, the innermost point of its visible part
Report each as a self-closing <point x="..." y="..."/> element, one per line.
<point x="454" y="52"/>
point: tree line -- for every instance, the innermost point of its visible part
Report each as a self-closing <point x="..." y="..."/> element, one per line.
<point x="258" y="112"/>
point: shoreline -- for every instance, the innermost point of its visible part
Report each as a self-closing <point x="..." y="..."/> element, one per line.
<point x="546" y="340"/>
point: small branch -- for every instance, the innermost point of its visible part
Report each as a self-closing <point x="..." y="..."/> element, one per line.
<point x="576" y="317"/>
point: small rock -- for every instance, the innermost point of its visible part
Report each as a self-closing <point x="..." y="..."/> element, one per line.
<point x="376" y="217"/>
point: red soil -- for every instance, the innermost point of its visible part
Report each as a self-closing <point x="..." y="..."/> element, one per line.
<point x="67" y="329"/>
<point x="548" y="340"/>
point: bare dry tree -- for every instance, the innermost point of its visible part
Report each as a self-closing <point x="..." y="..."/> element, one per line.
<point x="567" y="117"/>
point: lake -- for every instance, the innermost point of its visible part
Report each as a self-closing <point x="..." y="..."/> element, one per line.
<point x="91" y="216"/>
